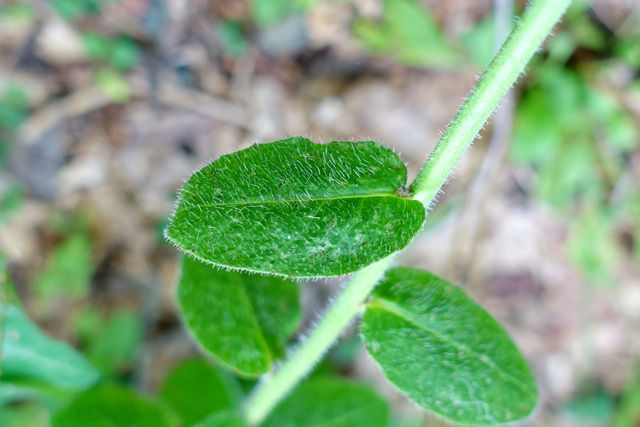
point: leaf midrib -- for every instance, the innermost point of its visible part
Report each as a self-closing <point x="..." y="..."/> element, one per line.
<point x="407" y="315"/>
<point x="290" y="201"/>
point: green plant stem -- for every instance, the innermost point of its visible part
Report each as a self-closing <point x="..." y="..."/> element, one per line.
<point x="503" y="71"/>
<point x="525" y="38"/>
<point x="337" y="317"/>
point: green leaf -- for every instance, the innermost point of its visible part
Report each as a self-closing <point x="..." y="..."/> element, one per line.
<point x="28" y="354"/>
<point x="97" y="45"/>
<point x="267" y="13"/>
<point x="222" y="419"/>
<point x="628" y="413"/>
<point x="331" y="402"/>
<point x="117" y="344"/>
<point x="232" y="38"/>
<point x="451" y="357"/>
<point x="479" y="41"/>
<point x="125" y="53"/>
<point x="68" y="270"/>
<point x="298" y="209"/>
<point x="241" y="319"/>
<point x="592" y="244"/>
<point x="113" y="85"/>
<point x="24" y="415"/>
<point x="195" y="389"/>
<point x="111" y="406"/>
<point x="409" y="33"/>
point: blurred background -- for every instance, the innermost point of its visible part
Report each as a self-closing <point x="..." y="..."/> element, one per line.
<point x="106" y="106"/>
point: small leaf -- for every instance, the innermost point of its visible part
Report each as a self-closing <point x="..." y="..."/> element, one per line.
<point x="116" y="345"/>
<point x="195" y="389"/>
<point x="298" y="209"/>
<point x="448" y="354"/>
<point x="330" y="402"/>
<point x="409" y="33"/>
<point x="111" y="406"/>
<point x="28" y="354"/>
<point x="68" y="270"/>
<point x="241" y="319"/>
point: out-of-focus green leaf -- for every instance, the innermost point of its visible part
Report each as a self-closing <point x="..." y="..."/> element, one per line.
<point x="69" y="269"/>
<point x="113" y="84"/>
<point x="597" y="407"/>
<point x="11" y="202"/>
<point x="117" y="344"/>
<point x="561" y="47"/>
<point x="571" y="172"/>
<point x="267" y="13"/>
<point x="194" y="389"/>
<point x="629" y="50"/>
<point x="124" y="54"/>
<point x="409" y="33"/>
<point x="97" y="45"/>
<point x="617" y="127"/>
<point x="110" y="406"/>
<point x="27" y="353"/>
<point x="331" y="402"/>
<point x="222" y="419"/>
<point x="593" y="246"/>
<point x="24" y="415"/>
<point x="242" y="319"/>
<point x="74" y="9"/>
<point x="232" y="39"/>
<point x="446" y="352"/>
<point x="11" y="392"/>
<point x="479" y="41"/>
<point x="536" y="133"/>
<point x="296" y="208"/>
<point x="628" y="412"/>
<point x="14" y="101"/>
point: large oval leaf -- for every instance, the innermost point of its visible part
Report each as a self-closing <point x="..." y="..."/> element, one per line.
<point x="330" y="402"/>
<point x="111" y="406"/>
<point x="242" y="319"/>
<point x="446" y="352"/>
<point x="297" y="209"/>
<point x="29" y="354"/>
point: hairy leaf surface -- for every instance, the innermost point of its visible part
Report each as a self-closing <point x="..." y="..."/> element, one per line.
<point x="29" y="354"/>
<point x="242" y="319"/>
<point x="331" y="402"/>
<point x="447" y="353"/>
<point x="297" y="209"/>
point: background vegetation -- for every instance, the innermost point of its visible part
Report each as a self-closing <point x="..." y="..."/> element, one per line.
<point x="106" y="105"/>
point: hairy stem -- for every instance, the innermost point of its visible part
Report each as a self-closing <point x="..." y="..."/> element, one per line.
<point x="526" y="37"/>
<point x="337" y="317"/>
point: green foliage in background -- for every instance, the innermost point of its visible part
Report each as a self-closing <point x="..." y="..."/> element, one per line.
<point x="14" y="102"/>
<point x="295" y="209"/>
<point x="29" y="355"/>
<point x="409" y="33"/>
<point x="68" y="270"/>
<point x="195" y="389"/>
<point x="109" y="406"/>
<point x="330" y="402"/>
<point x="578" y="138"/>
